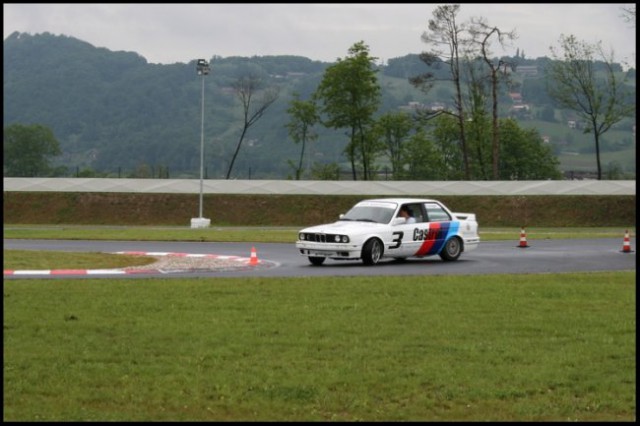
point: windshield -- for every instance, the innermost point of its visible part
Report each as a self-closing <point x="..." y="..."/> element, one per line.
<point x="371" y="212"/>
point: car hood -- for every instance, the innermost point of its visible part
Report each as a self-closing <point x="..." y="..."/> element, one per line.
<point x="344" y="227"/>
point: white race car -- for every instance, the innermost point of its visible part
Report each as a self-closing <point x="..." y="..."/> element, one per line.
<point x="375" y="229"/>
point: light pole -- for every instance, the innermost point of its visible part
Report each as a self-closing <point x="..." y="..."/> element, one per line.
<point x="203" y="69"/>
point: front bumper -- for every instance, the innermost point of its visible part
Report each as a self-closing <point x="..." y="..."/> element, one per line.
<point x="333" y="251"/>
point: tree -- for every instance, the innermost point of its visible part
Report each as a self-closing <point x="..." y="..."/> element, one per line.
<point x="446" y="136"/>
<point x="524" y="155"/>
<point x="394" y="128"/>
<point x="423" y="159"/>
<point x="349" y="95"/>
<point x="629" y="14"/>
<point x="445" y="31"/>
<point x="245" y="88"/>
<point x="485" y="33"/>
<point x="575" y="84"/>
<point x="27" y="150"/>
<point x="303" y="117"/>
<point x="479" y="127"/>
<point x="329" y="171"/>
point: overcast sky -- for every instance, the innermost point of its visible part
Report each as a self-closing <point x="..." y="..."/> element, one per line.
<point x="170" y="33"/>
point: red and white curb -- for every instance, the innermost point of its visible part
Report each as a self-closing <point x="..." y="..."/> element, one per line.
<point x="241" y="261"/>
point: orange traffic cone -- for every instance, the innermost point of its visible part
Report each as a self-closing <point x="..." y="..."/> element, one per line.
<point x="626" y="244"/>
<point x="254" y="257"/>
<point x="523" y="239"/>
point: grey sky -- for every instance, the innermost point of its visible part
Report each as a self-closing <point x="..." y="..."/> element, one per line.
<point x="170" y="33"/>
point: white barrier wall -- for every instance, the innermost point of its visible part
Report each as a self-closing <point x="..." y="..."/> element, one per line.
<point x="312" y="187"/>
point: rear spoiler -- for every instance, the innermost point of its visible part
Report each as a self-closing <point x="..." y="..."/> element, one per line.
<point x="465" y="216"/>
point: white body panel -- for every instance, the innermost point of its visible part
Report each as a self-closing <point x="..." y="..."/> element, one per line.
<point x="378" y="220"/>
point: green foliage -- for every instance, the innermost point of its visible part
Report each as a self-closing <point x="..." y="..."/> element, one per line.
<point x="27" y="150"/>
<point x="349" y="96"/>
<point x="394" y="128"/>
<point x="534" y="91"/>
<point x="446" y="139"/>
<point x="422" y="160"/>
<point x="524" y="156"/>
<point x="329" y="171"/>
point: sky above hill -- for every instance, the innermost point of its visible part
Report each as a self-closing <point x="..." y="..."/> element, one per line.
<point x="170" y="33"/>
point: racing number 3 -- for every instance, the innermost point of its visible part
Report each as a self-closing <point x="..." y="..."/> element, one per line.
<point x="397" y="240"/>
<point x="418" y="235"/>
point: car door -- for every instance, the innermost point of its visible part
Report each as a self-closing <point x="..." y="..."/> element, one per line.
<point x="404" y="242"/>
<point x="437" y="229"/>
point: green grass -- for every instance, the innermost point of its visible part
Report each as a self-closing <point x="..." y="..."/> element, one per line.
<point x="262" y="234"/>
<point x="43" y="260"/>
<point x="488" y="348"/>
<point x="151" y="233"/>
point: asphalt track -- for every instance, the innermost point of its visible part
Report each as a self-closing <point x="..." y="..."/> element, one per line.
<point x="282" y="260"/>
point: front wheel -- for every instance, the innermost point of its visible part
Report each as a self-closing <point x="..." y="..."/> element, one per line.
<point x="317" y="261"/>
<point x="451" y="250"/>
<point x="372" y="251"/>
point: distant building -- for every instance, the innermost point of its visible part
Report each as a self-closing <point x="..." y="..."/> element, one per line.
<point x="296" y="74"/>
<point x="520" y="111"/>
<point x="527" y="70"/>
<point x="516" y="97"/>
<point x="437" y="106"/>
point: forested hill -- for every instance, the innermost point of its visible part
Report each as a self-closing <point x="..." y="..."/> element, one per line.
<point x="114" y="112"/>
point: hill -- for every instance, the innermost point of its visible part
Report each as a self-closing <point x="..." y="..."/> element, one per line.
<point x="116" y="114"/>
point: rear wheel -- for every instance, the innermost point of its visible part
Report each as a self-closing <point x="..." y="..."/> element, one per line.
<point x="452" y="249"/>
<point x="317" y="261"/>
<point x="372" y="251"/>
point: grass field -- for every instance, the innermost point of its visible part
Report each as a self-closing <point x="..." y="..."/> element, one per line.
<point x="267" y="234"/>
<point x="558" y="347"/>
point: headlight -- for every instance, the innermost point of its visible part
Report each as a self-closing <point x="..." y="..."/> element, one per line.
<point x="345" y="239"/>
<point x="301" y="236"/>
<point x="337" y="238"/>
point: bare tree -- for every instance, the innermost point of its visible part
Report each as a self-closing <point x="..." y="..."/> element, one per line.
<point x="304" y="116"/>
<point x="484" y="34"/>
<point x="575" y="84"/>
<point x="445" y="35"/>
<point x="629" y="14"/>
<point x="246" y="88"/>
<point x="477" y="126"/>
